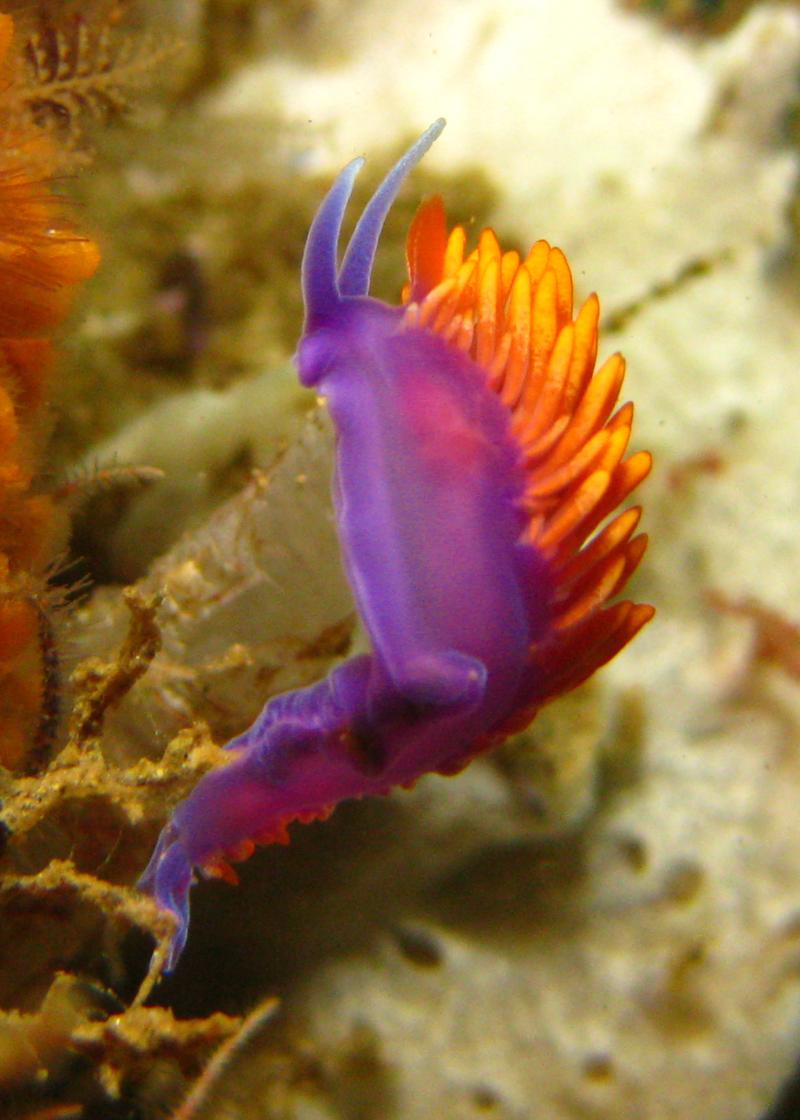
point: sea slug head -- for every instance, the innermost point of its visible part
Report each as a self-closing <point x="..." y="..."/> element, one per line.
<point x="335" y="295"/>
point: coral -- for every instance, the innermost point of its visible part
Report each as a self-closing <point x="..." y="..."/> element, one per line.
<point x="42" y="258"/>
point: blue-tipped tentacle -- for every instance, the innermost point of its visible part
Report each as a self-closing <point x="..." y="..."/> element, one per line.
<point x="320" y="288"/>
<point x="168" y="878"/>
<point x="356" y="270"/>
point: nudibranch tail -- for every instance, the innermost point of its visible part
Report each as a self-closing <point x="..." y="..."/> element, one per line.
<point x="480" y="462"/>
<point x="168" y="877"/>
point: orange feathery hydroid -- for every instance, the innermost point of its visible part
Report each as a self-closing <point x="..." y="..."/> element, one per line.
<point x="42" y="258"/>
<point x="514" y="317"/>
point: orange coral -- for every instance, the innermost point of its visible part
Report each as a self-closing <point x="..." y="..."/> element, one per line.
<point x="42" y="258"/>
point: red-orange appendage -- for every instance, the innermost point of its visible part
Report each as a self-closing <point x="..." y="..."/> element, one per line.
<point x="514" y="317"/>
<point x="42" y="258"/>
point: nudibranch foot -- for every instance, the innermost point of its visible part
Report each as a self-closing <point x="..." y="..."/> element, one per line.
<point x="480" y="463"/>
<point x="351" y="735"/>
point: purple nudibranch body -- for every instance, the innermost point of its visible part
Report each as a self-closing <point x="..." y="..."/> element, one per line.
<point x="464" y="545"/>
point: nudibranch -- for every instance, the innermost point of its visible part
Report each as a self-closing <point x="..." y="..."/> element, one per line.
<point x="479" y="457"/>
